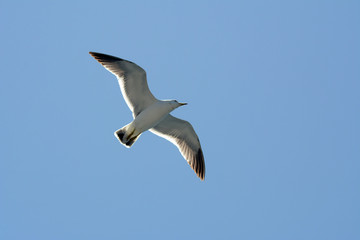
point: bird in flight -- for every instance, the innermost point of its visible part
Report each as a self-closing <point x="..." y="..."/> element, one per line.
<point x="152" y="114"/>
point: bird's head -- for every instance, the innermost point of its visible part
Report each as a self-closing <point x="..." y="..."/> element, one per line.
<point x="176" y="104"/>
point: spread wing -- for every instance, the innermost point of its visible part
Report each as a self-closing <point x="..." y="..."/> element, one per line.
<point x="132" y="81"/>
<point x="183" y="135"/>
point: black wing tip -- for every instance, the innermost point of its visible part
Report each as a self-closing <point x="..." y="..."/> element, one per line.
<point x="101" y="57"/>
<point x="199" y="165"/>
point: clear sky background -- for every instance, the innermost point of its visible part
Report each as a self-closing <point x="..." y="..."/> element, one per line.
<point x="274" y="94"/>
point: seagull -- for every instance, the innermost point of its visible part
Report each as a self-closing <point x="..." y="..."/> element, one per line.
<point x="152" y="114"/>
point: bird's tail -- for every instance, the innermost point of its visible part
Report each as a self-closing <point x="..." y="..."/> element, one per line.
<point x="127" y="135"/>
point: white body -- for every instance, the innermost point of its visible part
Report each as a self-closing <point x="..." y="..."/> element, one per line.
<point x="151" y="116"/>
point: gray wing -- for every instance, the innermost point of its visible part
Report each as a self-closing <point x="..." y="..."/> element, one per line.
<point x="132" y="81"/>
<point x="183" y="135"/>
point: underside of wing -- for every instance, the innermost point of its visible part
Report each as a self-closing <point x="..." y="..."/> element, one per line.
<point x="183" y="135"/>
<point x="132" y="81"/>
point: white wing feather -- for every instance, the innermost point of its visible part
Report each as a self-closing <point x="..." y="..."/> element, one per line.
<point x="183" y="135"/>
<point x="132" y="81"/>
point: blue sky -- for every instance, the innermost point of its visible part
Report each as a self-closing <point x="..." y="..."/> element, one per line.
<point x="273" y="92"/>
